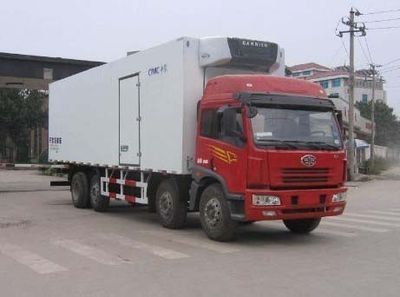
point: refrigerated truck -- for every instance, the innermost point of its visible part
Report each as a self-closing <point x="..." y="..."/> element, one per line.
<point x="209" y="125"/>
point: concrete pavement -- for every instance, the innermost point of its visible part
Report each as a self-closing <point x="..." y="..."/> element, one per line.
<point x="26" y="180"/>
<point x="49" y="248"/>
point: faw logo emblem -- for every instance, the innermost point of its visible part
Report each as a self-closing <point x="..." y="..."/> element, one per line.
<point x="223" y="155"/>
<point x="308" y="160"/>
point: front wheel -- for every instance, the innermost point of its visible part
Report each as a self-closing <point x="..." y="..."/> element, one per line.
<point x="215" y="216"/>
<point x="302" y="226"/>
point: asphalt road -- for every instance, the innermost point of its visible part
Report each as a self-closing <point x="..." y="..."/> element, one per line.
<point x="49" y="248"/>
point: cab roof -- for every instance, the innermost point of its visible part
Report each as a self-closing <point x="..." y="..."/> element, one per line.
<point x="256" y="83"/>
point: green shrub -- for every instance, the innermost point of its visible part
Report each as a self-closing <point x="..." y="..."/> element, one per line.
<point x="52" y="172"/>
<point x="380" y="165"/>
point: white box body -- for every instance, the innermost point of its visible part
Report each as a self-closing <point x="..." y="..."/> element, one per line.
<point x="137" y="112"/>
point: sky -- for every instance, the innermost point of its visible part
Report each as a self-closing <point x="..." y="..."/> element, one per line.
<point x="105" y="30"/>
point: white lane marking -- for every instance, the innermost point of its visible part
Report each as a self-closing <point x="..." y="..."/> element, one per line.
<point x="356" y="227"/>
<point x="371" y="216"/>
<point x="321" y="229"/>
<point x="364" y="221"/>
<point x="90" y="252"/>
<point x="33" y="261"/>
<point x="145" y="247"/>
<point x="387" y="213"/>
<point x="332" y="232"/>
<point x="194" y="242"/>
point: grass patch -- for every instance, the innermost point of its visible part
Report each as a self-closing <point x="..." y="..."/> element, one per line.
<point x="53" y="172"/>
<point x="379" y="165"/>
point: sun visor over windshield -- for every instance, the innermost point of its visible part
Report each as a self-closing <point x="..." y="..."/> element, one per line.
<point x="284" y="101"/>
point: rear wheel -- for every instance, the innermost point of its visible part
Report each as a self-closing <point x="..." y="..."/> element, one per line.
<point x="80" y="190"/>
<point x="99" y="202"/>
<point x="215" y="216"/>
<point x="302" y="226"/>
<point x="170" y="206"/>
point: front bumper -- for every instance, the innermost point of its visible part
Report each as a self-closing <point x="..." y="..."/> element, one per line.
<point x="295" y="204"/>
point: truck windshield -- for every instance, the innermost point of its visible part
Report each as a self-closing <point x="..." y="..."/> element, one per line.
<point x="294" y="128"/>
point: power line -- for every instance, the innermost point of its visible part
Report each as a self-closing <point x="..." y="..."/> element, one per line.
<point x="363" y="51"/>
<point x="337" y="26"/>
<point x="390" y="70"/>
<point x="380" y="21"/>
<point x="333" y="59"/>
<point x="344" y="46"/>
<point x="390" y="62"/>
<point x="380" y="11"/>
<point x="391" y="67"/>
<point x="382" y="28"/>
<point x="369" y="52"/>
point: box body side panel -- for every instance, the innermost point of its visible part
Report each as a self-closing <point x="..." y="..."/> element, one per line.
<point x="161" y="104"/>
<point x="83" y="118"/>
<point x="84" y="111"/>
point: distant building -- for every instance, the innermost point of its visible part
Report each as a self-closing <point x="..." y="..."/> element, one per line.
<point x="307" y="70"/>
<point x="34" y="72"/>
<point x="335" y="81"/>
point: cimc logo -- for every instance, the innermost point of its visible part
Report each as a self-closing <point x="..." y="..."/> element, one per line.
<point x="157" y="70"/>
<point x="308" y="160"/>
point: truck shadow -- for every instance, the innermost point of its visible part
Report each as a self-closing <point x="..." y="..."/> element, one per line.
<point x="256" y="234"/>
<point x="261" y="234"/>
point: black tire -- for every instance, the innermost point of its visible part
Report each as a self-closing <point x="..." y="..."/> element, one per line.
<point x="302" y="226"/>
<point x="215" y="216"/>
<point x="170" y="205"/>
<point x="80" y="190"/>
<point x="99" y="202"/>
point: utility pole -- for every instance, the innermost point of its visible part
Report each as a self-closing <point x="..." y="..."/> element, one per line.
<point x="351" y="156"/>
<point x="372" y="157"/>
<point x="353" y="28"/>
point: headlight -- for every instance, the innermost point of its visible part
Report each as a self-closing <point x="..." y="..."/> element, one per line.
<point x="266" y="200"/>
<point x="339" y="197"/>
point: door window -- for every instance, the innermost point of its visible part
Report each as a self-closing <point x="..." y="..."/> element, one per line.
<point x="224" y="126"/>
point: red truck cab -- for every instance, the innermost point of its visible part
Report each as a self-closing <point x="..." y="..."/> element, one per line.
<point x="267" y="148"/>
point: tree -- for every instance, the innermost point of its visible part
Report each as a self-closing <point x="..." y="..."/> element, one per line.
<point x="387" y="125"/>
<point x="20" y="111"/>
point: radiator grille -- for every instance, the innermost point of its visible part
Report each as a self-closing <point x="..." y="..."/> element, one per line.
<point x="305" y="175"/>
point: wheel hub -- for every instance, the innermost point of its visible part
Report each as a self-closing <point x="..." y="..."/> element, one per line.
<point x="213" y="214"/>
<point x="75" y="190"/>
<point x="94" y="192"/>
<point x="166" y="204"/>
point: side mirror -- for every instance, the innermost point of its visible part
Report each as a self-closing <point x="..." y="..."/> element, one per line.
<point x="252" y="111"/>
<point x="339" y="116"/>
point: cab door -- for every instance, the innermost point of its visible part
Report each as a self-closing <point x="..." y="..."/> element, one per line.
<point x="222" y="146"/>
